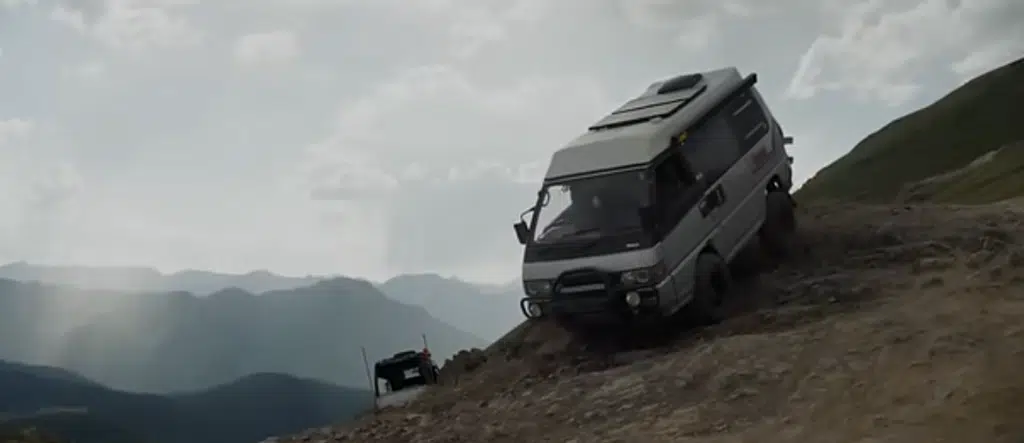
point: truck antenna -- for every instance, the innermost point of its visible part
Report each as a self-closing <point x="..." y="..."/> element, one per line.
<point x="369" y="378"/>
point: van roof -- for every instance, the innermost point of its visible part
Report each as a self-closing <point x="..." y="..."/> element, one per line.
<point x="639" y="130"/>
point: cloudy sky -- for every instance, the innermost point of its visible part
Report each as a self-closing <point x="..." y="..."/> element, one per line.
<point x="374" y="137"/>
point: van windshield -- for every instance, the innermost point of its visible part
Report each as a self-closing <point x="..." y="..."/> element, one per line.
<point x="591" y="207"/>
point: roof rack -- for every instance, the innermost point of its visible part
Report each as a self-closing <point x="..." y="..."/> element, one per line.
<point x="661" y="100"/>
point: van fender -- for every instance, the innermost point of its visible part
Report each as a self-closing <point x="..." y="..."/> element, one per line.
<point x="683" y="281"/>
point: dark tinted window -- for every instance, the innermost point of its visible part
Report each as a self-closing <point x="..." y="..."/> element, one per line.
<point x="711" y="147"/>
<point x="747" y="119"/>
<point x="674" y="190"/>
<point x="670" y="177"/>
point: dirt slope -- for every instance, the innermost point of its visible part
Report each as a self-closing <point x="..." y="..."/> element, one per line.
<point x="901" y="324"/>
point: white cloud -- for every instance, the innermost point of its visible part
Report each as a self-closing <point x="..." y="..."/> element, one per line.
<point x="339" y="173"/>
<point x="416" y="161"/>
<point x="272" y="47"/>
<point x="11" y="4"/>
<point x="133" y="24"/>
<point x="882" y="54"/>
<point x="474" y="30"/>
<point x="474" y="26"/>
<point x="71" y="18"/>
<point x="88" y="70"/>
<point x="38" y="187"/>
<point x="986" y="58"/>
<point x="448" y="156"/>
<point x="27" y="165"/>
<point x="56" y="184"/>
<point x="695" y="23"/>
<point x="437" y="118"/>
<point x="697" y="33"/>
<point x="14" y="129"/>
<point x="469" y="26"/>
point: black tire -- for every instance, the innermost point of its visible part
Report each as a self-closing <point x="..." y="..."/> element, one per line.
<point x="779" y="229"/>
<point x="711" y="286"/>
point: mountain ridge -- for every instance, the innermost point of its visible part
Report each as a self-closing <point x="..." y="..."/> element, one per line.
<point x="455" y="301"/>
<point x="236" y="412"/>
<point x="176" y="341"/>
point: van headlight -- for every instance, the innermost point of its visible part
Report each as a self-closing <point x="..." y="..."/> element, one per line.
<point x="534" y="310"/>
<point x="537" y="288"/>
<point x="643" y="276"/>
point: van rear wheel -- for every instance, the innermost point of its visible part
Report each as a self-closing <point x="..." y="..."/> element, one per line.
<point x="711" y="285"/>
<point x="779" y="229"/>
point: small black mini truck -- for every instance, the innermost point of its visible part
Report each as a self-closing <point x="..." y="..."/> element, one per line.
<point x="404" y="376"/>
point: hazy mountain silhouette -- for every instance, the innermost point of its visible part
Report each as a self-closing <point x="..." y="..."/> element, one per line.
<point x="148" y="279"/>
<point x="249" y="409"/>
<point x="174" y="341"/>
<point x="487" y="311"/>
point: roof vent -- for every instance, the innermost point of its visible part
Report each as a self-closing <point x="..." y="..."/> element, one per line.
<point x="682" y="82"/>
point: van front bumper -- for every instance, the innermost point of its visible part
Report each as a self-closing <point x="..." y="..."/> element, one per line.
<point x="606" y="305"/>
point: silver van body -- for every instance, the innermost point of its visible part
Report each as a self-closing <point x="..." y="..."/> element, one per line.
<point x="730" y="152"/>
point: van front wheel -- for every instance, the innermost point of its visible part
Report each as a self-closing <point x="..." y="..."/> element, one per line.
<point x="711" y="285"/>
<point x="779" y="229"/>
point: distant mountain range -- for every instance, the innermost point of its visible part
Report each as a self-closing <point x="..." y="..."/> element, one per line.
<point x="116" y="356"/>
<point x="71" y="407"/>
<point x="164" y="342"/>
<point x="140" y="279"/>
<point x="487" y="311"/>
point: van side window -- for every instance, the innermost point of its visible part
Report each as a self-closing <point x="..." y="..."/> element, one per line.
<point x="747" y="119"/>
<point x="668" y="179"/>
<point x="673" y="183"/>
<point x="711" y="148"/>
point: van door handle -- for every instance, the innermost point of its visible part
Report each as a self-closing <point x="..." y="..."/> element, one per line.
<point x="711" y="200"/>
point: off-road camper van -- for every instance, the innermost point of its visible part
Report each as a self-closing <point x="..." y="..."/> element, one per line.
<point x="639" y="216"/>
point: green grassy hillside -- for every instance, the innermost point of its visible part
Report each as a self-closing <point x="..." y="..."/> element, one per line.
<point x="982" y="116"/>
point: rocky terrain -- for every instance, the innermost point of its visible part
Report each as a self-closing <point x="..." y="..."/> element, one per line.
<point x="897" y="324"/>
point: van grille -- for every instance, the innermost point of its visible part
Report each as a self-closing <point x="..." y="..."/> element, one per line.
<point x="582" y="278"/>
<point x="589" y="295"/>
<point x="582" y="290"/>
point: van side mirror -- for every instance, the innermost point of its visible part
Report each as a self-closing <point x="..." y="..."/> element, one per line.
<point x="522" y="232"/>
<point x="787" y="140"/>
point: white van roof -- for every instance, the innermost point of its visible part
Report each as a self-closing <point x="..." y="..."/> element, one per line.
<point x="638" y="131"/>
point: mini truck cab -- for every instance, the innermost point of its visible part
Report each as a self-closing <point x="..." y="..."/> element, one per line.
<point x="405" y="375"/>
<point x="640" y="216"/>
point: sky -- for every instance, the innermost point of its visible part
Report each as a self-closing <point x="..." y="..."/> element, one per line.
<point x="376" y="137"/>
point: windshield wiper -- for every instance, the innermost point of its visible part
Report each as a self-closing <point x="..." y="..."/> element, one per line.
<point x="585" y="231"/>
<point x="587" y="245"/>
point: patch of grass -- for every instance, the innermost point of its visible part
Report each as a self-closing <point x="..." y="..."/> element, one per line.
<point x="979" y="117"/>
<point x="999" y="179"/>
